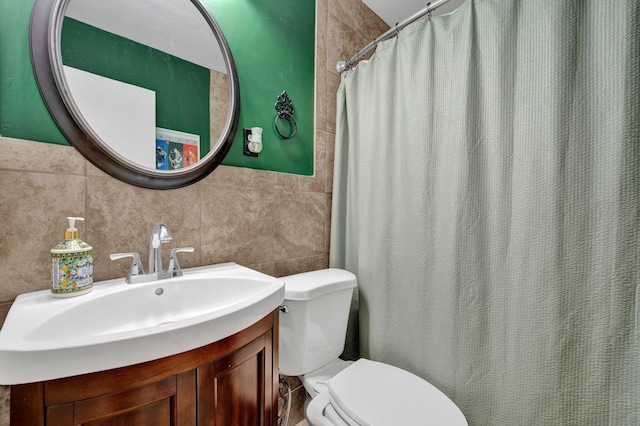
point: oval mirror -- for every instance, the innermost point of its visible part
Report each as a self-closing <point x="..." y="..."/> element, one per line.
<point x="146" y="90"/>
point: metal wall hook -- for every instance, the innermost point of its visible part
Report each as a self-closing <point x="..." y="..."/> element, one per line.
<point x="284" y="107"/>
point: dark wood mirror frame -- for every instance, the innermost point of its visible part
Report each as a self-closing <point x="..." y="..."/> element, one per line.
<point x="45" y="19"/>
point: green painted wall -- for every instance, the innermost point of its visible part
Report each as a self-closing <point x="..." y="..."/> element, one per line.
<point x="23" y="114"/>
<point x="181" y="87"/>
<point x="273" y="47"/>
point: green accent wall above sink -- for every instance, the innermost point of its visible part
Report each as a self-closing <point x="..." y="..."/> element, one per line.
<point x="273" y="48"/>
<point x="273" y="45"/>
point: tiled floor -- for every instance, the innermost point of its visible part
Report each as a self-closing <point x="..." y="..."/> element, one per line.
<point x="298" y="395"/>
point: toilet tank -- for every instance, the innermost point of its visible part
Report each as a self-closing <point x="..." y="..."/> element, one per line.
<point x="313" y="331"/>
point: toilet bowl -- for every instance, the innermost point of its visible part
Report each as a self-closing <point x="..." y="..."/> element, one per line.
<point x="345" y="393"/>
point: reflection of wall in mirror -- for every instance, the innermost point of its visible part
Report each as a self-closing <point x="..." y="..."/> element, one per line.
<point x="218" y="104"/>
<point x="181" y="87"/>
<point x="104" y="101"/>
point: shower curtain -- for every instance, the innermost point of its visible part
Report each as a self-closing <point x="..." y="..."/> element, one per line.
<point x="487" y="196"/>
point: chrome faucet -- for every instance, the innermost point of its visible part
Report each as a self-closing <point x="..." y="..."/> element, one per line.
<point x="160" y="235"/>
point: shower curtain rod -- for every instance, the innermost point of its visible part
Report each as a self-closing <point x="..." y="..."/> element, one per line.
<point x="343" y="66"/>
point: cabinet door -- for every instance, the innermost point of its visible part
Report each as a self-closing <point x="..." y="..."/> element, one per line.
<point x="237" y="390"/>
<point x="230" y="382"/>
<point x="160" y="403"/>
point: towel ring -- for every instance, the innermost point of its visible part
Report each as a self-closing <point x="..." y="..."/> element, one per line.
<point x="284" y="106"/>
<point x="290" y="119"/>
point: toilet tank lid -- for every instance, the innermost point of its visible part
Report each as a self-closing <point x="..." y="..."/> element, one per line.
<point x="309" y="285"/>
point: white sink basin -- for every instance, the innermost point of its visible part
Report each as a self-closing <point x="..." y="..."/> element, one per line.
<point x="120" y="324"/>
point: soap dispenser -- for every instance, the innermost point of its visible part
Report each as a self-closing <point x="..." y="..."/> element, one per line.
<point x="71" y="264"/>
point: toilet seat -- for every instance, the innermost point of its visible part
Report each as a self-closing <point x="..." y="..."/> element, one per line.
<point x="369" y="393"/>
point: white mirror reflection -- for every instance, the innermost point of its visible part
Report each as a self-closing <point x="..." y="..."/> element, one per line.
<point x="147" y="79"/>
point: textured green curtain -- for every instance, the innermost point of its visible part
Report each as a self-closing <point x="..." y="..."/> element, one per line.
<point x="487" y="196"/>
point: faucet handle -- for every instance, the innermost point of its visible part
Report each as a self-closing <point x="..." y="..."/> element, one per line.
<point x="136" y="265"/>
<point x="173" y="268"/>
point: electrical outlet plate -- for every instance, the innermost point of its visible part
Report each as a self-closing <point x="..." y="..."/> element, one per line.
<point x="245" y="147"/>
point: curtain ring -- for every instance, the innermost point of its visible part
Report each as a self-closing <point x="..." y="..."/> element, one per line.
<point x="286" y="116"/>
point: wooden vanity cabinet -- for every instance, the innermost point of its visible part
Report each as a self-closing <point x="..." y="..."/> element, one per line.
<point x="230" y="382"/>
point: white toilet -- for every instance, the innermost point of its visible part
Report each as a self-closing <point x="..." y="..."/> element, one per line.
<point x="313" y="328"/>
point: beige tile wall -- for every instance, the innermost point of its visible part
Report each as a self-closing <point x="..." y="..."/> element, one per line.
<point x="272" y="222"/>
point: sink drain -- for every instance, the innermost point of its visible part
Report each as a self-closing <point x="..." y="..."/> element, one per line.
<point x="159" y="291"/>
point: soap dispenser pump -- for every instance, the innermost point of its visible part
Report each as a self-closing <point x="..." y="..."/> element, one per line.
<point x="71" y="264"/>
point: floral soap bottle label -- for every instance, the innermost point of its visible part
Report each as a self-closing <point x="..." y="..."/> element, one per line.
<point x="71" y="273"/>
<point x="71" y="264"/>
